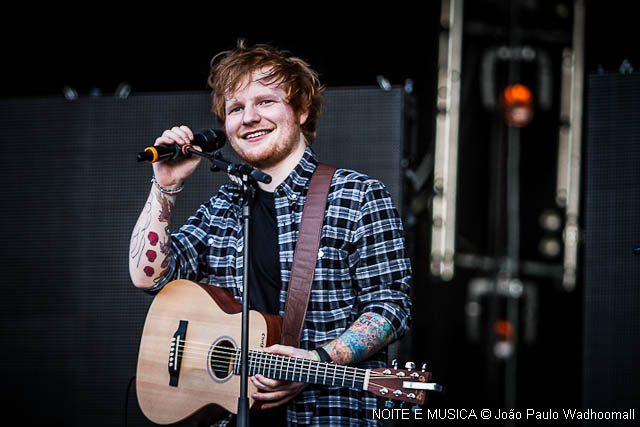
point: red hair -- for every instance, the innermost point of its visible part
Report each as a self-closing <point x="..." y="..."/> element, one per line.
<point x="304" y="92"/>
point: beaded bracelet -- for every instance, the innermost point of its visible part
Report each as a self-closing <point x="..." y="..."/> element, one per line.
<point x="169" y="191"/>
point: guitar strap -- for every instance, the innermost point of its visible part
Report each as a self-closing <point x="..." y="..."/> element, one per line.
<point x="306" y="255"/>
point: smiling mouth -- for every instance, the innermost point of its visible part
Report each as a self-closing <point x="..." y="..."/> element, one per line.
<point x="255" y="135"/>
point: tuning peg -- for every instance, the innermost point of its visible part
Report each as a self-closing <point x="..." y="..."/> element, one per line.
<point x="394" y="363"/>
<point x="410" y="365"/>
<point x="424" y="367"/>
<point x="389" y="404"/>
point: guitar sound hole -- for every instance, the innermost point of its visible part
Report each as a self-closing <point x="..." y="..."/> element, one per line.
<point x="221" y="358"/>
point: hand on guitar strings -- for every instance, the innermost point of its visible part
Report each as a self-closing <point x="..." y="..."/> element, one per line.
<point x="277" y="392"/>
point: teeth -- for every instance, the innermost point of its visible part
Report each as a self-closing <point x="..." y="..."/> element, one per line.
<point x="256" y="134"/>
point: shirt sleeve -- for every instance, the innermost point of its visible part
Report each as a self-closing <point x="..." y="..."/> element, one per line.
<point x="188" y="247"/>
<point x="382" y="269"/>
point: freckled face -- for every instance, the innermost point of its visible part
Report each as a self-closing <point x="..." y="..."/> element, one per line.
<point x="260" y="124"/>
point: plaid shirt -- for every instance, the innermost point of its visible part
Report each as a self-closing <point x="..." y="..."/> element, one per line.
<point x="362" y="267"/>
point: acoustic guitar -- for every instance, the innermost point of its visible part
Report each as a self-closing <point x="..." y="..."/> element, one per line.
<point x="189" y="358"/>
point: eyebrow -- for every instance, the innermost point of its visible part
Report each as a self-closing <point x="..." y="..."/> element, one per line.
<point x="257" y="98"/>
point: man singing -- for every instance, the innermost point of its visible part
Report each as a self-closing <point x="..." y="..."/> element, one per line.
<point x="269" y="103"/>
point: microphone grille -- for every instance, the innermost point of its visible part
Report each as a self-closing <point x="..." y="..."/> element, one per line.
<point x="210" y="139"/>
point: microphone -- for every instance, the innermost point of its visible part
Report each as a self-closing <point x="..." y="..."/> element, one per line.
<point x="209" y="140"/>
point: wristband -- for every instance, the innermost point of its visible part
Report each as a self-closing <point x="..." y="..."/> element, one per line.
<point x="323" y="355"/>
<point x="169" y="191"/>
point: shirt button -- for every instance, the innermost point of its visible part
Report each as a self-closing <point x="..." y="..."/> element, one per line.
<point x="210" y="241"/>
<point x="320" y="253"/>
<point x="293" y="196"/>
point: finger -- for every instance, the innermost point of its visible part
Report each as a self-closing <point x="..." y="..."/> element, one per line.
<point x="290" y="351"/>
<point x="168" y="138"/>
<point x="271" y="396"/>
<point x="182" y="134"/>
<point x="265" y="383"/>
<point x="273" y="348"/>
<point x="187" y="131"/>
<point x="275" y="404"/>
<point x="173" y="137"/>
<point x="281" y="349"/>
<point x="277" y="398"/>
<point x="164" y="140"/>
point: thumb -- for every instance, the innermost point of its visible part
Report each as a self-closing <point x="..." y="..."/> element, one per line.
<point x="280" y="349"/>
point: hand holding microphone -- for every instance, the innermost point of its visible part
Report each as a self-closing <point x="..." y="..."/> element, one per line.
<point x="170" y="158"/>
<point x="177" y="142"/>
<point x="173" y="163"/>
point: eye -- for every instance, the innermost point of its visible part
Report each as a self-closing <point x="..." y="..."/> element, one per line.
<point x="266" y="102"/>
<point x="234" y="110"/>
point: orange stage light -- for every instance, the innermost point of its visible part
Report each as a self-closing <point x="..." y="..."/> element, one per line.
<point x="504" y="329"/>
<point x="517" y="103"/>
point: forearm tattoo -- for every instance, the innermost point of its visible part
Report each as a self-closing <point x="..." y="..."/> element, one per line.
<point x="166" y="208"/>
<point x="138" y="239"/>
<point x="143" y="238"/>
<point x="164" y="250"/>
<point x="367" y="335"/>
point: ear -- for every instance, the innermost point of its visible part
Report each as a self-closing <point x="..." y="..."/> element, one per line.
<point x="302" y="117"/>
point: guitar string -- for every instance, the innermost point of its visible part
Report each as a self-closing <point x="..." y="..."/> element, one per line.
<point x="194" y="345"/>
<point x="229" y="366"/>
<point x="300" y="373"/>
<point x="372" y="386"/>
<point x="293" y="372"/>
<point x="296" y="374"/>
<point x="260" y="363"/>
<point x="231" y="353"/>
<point x="234" y="354"/>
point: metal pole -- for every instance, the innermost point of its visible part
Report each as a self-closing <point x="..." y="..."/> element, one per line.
<point x="243" y="399"/>
<point x="574" y="150"/>
<point x="446" y="152"/>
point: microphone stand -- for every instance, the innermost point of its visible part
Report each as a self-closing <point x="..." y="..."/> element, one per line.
<point x="249" y="178"/>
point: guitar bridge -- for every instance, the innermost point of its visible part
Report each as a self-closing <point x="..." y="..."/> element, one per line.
<point x="175" y="353"/>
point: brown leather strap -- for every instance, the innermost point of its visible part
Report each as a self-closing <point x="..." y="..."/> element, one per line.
<point x="306" y="255"/>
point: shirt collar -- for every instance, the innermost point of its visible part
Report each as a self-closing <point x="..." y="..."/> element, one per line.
<point x="297" y="182"/>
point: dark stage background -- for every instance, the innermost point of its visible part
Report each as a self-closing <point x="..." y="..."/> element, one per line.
<point x="75" y="325"/>
<point x="70" y="315"/>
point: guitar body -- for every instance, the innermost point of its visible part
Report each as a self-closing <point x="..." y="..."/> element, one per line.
<point x="188" y="325"/>
<point x="189" y="359"/>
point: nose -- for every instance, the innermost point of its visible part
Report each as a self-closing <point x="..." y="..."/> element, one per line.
<point x="250" y="115"/>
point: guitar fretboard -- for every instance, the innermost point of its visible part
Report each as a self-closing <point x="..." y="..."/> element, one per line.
<point x="286" y="368"/>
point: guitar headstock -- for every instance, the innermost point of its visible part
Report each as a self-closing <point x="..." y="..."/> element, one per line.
<point x="406" y="385"/>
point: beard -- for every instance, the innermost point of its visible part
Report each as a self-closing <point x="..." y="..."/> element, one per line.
<point x="271" y="154"/>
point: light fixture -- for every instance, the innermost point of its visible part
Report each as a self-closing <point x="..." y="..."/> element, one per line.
<point x="517" y="103"/>
<point x="123" y="90"/>
<point x="383" y="83"/>
<point x="70" y="94"/>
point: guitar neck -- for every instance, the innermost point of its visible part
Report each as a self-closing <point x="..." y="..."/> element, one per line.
<point x="287" y="368"/>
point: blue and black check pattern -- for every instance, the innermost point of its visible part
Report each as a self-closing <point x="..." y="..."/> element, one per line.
<point x="362" y="267"/>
